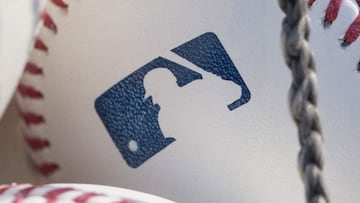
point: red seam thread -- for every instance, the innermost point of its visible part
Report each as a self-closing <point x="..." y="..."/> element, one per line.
<point x="311" y="2"/>
<point x="353" y="32"/>
<point x="4" y="189"/>
<point x="36" y="143"/>
<point x="47" y="169"/>
<point x="22" y="194"/>
<point x="125" y="201"/>
<point x="29" y="118"/>
<point x="40" y="45"/>
<point x="32" y="118"/>
<point x="332" y="12"/>
<point x="33" y="69"/>
<point x="29" y="91"/>
<point x="48" y="21"/>
<point x="85" y="197"/>
<point x="60" y="3"/>
<point x="54" y="194"/>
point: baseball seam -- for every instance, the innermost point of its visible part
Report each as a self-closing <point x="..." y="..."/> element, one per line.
<point x="22" y="192"/>
<point x="353" y="31"/>
<point x="331" y="14"/>
<point x="28" y="94"/>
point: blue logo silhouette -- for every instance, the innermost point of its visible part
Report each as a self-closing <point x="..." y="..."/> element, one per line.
<point x="132" y="120"/>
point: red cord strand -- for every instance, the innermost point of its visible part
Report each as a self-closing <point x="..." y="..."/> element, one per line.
<point x="60" y="3"/>
<point x="47" y="169"/>
<point x="29" y="91"/>
<point x="353" y="32"/>
<point x="48" y="21"/>
<point x="33" y="69"/>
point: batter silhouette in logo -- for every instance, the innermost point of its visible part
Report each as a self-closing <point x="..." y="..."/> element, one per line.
<point x="129" y="113"/>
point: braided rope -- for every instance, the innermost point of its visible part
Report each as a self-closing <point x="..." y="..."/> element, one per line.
<point x="303" y="97"/>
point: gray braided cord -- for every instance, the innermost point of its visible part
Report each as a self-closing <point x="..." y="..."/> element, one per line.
<point x="303" y="97"/>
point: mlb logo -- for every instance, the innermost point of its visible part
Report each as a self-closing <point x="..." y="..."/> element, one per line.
<point x="131" y="114"/>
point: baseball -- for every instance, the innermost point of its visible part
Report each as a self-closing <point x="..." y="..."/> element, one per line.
<point x="61" y="193"/>
<point x="17" y="24"/>
<point x="188" y="100"/>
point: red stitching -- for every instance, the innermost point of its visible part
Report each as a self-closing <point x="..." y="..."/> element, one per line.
<point x="60" y="3"/>
<point x="4" y="189"/>
<point x="353" y="32"/>
<point x="33" y="69"/>
<point x="22" y="194"/>
<point x="29" y="91"/>
<point x="47" y="169"/>
<point x="48" y="21"/>
<point x="40" y="45"/>
<point x="311" y="2"/>
<point x="332" y="12"/>
<point x="36" y="143"/>
<point x="84" y="197"/>
<point x="53" y="195"/>
<point x="31" y="118"/>
<point x="125" y="201"/>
